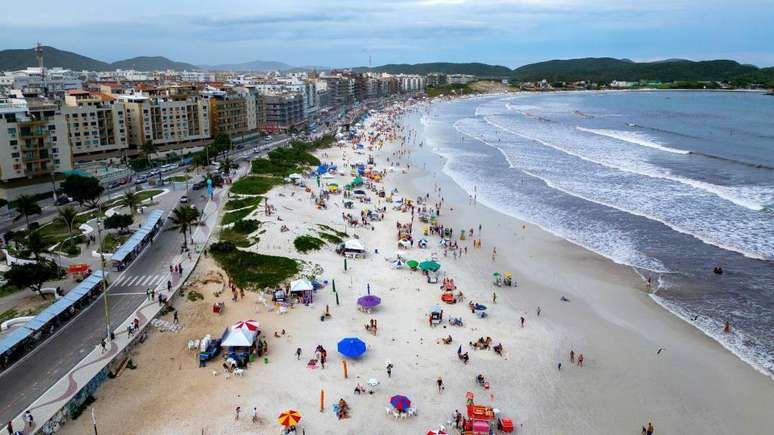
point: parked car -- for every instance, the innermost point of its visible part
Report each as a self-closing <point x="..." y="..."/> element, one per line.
<point x="62" y="200"/>
<point x="184" y="199"/>
<point x="141" y="179"/>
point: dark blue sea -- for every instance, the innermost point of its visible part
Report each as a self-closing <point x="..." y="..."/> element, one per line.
<point x="671" y="184"/>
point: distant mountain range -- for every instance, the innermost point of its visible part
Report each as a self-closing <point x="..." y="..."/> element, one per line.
<point x="600" y="69"/>
<point x="17" y="59"/>
<point x="476" y="69"/>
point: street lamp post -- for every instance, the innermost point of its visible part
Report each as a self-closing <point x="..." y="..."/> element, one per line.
<point x="104" y="274"/>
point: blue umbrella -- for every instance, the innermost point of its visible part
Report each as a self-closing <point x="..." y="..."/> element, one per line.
<point x="351" y="347"/>
<point x="401" y="403"/>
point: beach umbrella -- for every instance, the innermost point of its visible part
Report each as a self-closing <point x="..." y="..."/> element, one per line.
<point x="496" y="274"/>
<point x="372" y="382"/>
<point x="400" y="403"/>
<point x="412" y="264"/>
<point x="480" y="307"/>
<point x="289" y="418"/>
<point x="429" y="265"/>
<point x="369" y="301"/>
<point x="351" y="347"/>
<point x="436" y="432"/>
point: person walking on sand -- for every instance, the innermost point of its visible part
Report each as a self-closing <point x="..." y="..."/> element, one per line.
<point x="522" y="321"/>
<point x="494" y="254"/>
<point x="389" y="370"/>
<point x="175" y="320"/>
<point x="236" y="413"/>
<point x="298" y="353"/>
<point x="580" y="360"/>
<point x="440" y="384"/>
<point x="538" y="311"/>
<point x="494" y="298"/>
<point x="572" y="356"/>
<point x="255" y="414"/>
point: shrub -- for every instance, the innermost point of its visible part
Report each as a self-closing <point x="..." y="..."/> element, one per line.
<point x="305" y="244"/>
<point x="251" y="270"/>
<point x="246" y="226"/>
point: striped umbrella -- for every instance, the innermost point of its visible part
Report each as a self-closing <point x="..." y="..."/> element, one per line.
<point x="289" y="418"/>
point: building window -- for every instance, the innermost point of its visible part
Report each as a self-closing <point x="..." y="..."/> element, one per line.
<point x="13" y="142"/>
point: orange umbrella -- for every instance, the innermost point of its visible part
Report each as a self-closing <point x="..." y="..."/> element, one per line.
<point x="289" y="418"/>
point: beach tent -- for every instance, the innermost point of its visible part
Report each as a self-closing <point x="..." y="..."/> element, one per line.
<point x="351" y="347"/>
<point x="242" y="334"/>
<point x="328" y="176"/>
<point x="301" y="285"/>
<point x="354" y="245"/>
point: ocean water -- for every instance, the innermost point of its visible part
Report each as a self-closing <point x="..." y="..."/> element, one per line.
<point x="671" y="184"/>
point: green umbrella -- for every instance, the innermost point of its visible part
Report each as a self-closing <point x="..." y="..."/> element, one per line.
<point x="357" y="181"/>
<point x="496" y="274"/>
<point x="429" y="265"/>
<point x="412" y="264"/>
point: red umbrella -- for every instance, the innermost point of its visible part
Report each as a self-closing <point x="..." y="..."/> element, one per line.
<point x="251" y="325"/>
<point x="434" y="432"/>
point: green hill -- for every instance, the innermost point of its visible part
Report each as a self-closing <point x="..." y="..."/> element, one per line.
<point x="476" y="69"/>
<point x="152" y="63"/>
<point x="16" y="59"/>
<point x="606" y="69"/>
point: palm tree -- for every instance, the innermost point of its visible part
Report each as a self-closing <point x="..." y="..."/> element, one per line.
<point x="69" y="218"/>
<point x="183" y="218"/>
<point x="26" y="206"/>
<point x="35" y="244"/>
<point x="148" y="148"/>
<point x="132" y="201"/>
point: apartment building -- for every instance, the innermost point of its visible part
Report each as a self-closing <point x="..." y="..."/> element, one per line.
<point x="33" y="140"/>
<point x="95" y="123"/>
<point x="411" y="82"/>
<point x="228" y="112"/>
<point x="166" y="120"/>
<point x="282" y="111"/>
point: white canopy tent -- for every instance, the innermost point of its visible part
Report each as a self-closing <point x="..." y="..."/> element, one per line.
<point x="301" y="285"/>
<point x="242" y="334"/>
<point x="354" y="245"/>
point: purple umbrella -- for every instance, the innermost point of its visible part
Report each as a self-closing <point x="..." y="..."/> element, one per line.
<point x="369" y="301"/>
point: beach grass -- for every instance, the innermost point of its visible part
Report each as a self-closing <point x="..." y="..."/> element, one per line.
<point x="243" y="202"/>
<point x="306" y="244"/>
<point x="254" y="185"/>
<point x="282" y="162"/>
<point x="236" y="216"/>
<point x="251" y="270"/>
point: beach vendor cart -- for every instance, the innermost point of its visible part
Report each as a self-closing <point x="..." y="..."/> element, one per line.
<point x="508" y="279"/>
<point x="436" y="315"/>
<point x="505" y="424"/>
<point x="479" y="419"/>
<point x="79" y="271"/>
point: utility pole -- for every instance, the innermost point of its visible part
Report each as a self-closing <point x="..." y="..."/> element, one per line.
<point x="104" y="273"/>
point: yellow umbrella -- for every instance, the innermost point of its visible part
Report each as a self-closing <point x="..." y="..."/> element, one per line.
<point x="289" y="418"/>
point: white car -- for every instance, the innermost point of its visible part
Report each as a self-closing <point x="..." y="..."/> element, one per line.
<point x="184" y="199"/>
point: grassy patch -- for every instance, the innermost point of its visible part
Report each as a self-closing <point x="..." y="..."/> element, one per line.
<point x="8" y="290"/>
<point x="236" y="216"/>
<point x="251" y="270"/>
<point x="331" y="238"/>
<point x="178" y="179"/>
<point x="113" y="241"/>
<point x="238" y="233"/>
<point x="254" y="185"/>
<point x="246" y="226"/>
<point x="243" y="202"/>
<point x="305" y="244"/>
<point x="331" y="230"/>
<point x="282" y="162"/>
<point x="194" y="296"/>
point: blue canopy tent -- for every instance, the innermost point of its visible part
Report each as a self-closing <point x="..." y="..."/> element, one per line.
<point x="351" y="347"/>
<point x="14" y="338"/>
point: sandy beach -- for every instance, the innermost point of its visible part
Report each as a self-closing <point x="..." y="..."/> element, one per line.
<point x="693" y="386"/>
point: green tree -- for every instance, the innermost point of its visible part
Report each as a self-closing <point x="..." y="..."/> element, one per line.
<point x="68" y="217"/>
<point x="148" y="148"/>
<point x="183" y="218"/>
<point x="85" y="190"/>
<point x="26" y="206"/>
<point x="32" y="275"/>
<point x="132" y="201"/>
<point x="120" y="221"/>
<point x="35" y="244"/>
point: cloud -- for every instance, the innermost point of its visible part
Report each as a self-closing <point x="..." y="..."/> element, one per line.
<point x="339" y="32"/>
